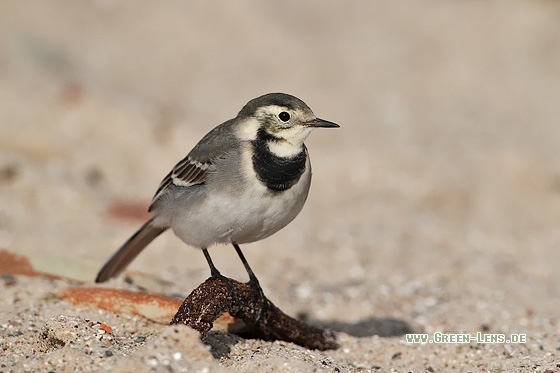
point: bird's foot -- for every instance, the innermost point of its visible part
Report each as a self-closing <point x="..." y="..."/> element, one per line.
<point x="232" y="289"/>
<point x="258" y="291"/>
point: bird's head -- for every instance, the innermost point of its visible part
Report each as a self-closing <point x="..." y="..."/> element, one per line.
<point x="279" y="117"/>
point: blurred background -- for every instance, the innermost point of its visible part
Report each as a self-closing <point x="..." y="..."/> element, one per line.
<point x="445" y="170"/>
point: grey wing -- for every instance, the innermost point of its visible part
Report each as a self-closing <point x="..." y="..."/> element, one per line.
<point x="194" y="168"/>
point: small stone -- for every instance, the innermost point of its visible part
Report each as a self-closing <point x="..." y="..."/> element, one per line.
<point x="106" y="328"/>
<point x="152" y="361"/>
<point x="9" y="279"/>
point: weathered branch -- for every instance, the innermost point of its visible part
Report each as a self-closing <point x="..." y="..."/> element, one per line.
<point x="212" y="298"/>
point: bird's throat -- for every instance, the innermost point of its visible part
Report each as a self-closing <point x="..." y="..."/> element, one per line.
<point x="276" y="172"/>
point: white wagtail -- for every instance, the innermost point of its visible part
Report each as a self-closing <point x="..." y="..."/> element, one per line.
<point x="245" y="180"/>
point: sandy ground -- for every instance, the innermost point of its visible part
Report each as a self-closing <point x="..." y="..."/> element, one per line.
<point x="435" y="207"/>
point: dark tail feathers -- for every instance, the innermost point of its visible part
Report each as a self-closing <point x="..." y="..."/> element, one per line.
<point x="130" y="250"/>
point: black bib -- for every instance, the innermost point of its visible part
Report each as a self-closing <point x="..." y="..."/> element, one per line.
<point x="276" y="173"/>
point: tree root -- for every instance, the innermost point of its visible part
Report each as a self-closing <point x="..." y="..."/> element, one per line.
<point x="212" y="298"/>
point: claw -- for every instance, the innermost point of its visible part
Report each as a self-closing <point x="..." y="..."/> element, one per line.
<point x="256" y="287"/>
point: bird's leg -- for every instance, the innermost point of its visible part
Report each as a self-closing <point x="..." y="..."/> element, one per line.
<point x="253" y="281"/>
<point x="214" y="273"/>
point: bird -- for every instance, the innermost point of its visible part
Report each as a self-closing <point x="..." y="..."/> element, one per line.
<point x="244" y="181"/>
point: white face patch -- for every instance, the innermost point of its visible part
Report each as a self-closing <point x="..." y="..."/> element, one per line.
<point x="247" y="130"/>
<point x="290" y="135"/>
<point x="293" y="141"/>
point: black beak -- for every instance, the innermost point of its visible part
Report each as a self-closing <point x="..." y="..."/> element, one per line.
<point x="321" y="123"/>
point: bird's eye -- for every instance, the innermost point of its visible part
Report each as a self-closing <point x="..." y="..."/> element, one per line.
<point x="284" y="116"/>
